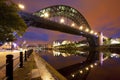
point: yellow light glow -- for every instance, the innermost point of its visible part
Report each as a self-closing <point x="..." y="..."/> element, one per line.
<point x="72" y="24"/>
<point x="91" y="66"/>
<point x="62" y="20"/>
<point x="21" y="6"/>
<point x="95" y="64"/>
<point x="73" y="75"/>
<point x="87" y="30"/>
<point x="91" y="31"/>
<point x="81" y="27"/>
<point x="46" y="15"/>
<point x="81" y="71"/>
<point x="87" y="68"/>
<point x="95" y="33"/>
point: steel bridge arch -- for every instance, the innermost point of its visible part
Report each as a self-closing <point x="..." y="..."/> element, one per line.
<point x="64" y="11"/>
<point x="36" y="19"/>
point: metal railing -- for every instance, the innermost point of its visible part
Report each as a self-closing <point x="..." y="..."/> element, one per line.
<point x="11" y="65"/>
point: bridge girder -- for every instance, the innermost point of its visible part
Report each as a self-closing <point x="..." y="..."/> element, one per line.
<point x="64" y="11"/>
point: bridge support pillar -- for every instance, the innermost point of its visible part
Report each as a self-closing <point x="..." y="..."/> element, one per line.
<point x="101" y="39"/>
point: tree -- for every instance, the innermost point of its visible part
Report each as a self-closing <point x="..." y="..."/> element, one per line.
<point x="10" y="21"/>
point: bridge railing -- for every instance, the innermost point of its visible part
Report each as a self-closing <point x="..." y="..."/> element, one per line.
<point x="6" y="70"/>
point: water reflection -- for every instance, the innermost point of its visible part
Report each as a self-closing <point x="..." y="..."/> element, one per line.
<point x="80" y="65"/>
<point x="65" y="53"/>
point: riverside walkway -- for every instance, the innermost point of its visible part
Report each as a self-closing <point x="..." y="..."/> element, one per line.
<point x="43" y="70"/>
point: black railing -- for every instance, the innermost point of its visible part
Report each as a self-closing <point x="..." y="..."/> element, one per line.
<point x="10" y="66"/>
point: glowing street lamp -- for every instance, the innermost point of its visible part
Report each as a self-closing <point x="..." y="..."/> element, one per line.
<point x="46" y="15"/>
<point x="21" y="6"/>
<point x="62" y="20"/>
<point x="95" y="64"/>
<point x="72" y="24"/>
<point x="73" y="75"/>
<point x="81" y="71"/>
<point x="91" y="31"/>
<point x="87" y="68"/>
<point x="81" y="27"/>
<point x="95" y="33"/>
<point x="91" y="66"/>
<point x="86" y="30"/>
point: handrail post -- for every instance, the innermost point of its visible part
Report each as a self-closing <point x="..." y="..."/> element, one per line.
<point x="25" y="56"/>
<point x="9" y="67"/>
<point x="21" y="60"/>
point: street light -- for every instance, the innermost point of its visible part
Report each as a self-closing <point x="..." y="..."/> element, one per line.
<point x="73" y="24"/>
<point x="91" y="31"/>
<point x="21" y="6"/>
<point x="87" y="68"/>
<point x="62" y="20"/>
<point x="81" y="27"/>
<point x="46" y="15"/>
<point x="95" y="33"/>
<point x="95" y="64"/>
<point x="81" y="71"/>
<point x="86" y="30"/>
<point x="91" y="66"/>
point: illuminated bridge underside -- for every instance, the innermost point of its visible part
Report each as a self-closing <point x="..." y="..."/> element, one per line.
<point x="64" y="11"/>
<point x="39" y="22"/>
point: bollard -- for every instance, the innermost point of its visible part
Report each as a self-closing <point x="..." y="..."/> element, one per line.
<point x="9" y="67"/>
<point x="21" y="60"/>
<point x="25" y="59"/>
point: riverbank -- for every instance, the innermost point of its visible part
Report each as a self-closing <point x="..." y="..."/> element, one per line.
<point x="37" y="68"/>
<point x="46" y="71"/>
<point x="25" y="73"/>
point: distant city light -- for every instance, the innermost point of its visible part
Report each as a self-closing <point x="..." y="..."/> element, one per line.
<point x="21" y="49"/>
<point x="114" y="41"/>
<point x="115" y="55"/>
<point x="14" y="45"/>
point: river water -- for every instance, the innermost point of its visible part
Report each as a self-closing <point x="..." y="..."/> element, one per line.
<point x="89" y="65"/>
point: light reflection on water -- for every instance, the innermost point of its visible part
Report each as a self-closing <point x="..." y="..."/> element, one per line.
<point x="90" y="63"/>
<point x="62" y="59"/>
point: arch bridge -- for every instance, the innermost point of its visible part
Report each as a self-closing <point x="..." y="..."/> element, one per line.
<point x="45" y="18"/>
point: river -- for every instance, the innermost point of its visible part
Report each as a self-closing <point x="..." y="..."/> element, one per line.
<point x="89" y="65"/>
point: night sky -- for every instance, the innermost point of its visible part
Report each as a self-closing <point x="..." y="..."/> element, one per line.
<point x="102" y="16"/>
